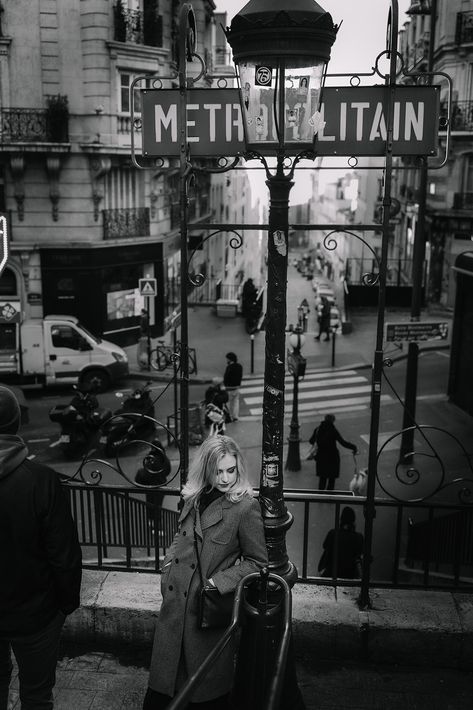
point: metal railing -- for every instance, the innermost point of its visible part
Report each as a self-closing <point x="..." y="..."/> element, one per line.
<point x="398" y="272"/>
<point x="29" y="125"/>
<point x="124" y="528"/>
<point x="138" y="27"/>
<point x="125" y="223"/>
<point x="417" y="545"/>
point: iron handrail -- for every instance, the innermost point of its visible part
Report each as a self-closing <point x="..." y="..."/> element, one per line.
<point x="275" y="688"/>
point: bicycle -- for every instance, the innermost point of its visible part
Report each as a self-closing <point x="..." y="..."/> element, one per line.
<point x="162" y="357"/>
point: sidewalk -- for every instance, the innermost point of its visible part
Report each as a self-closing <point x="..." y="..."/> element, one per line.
<point x="117" y="680"/>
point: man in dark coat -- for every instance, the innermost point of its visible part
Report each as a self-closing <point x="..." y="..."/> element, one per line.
<point x="327" y="459"/>
<point x="41" y="565"/>
<point x="347" y="562"/>
<point x="232" y="380"/>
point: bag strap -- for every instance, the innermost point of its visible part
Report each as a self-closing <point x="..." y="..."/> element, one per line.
<point x="196" y="547"/>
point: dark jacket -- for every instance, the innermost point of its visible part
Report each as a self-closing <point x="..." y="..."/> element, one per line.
<point x="327" y="460"/>
<point x="349" y="554"/>
<point x="226" y="533"/>
<point x="233" y="375"/>
<point x="39" y="551"/>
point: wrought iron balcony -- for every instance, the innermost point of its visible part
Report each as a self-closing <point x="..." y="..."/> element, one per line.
<point x="139" y="27"/>
<point x="461" y="116"/>
<point x="25" y="125"/>
<point x="126" y="223"/>
<point x="464" y="28"/>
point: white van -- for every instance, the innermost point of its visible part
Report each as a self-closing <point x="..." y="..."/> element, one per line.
<point x="56" y="350"/>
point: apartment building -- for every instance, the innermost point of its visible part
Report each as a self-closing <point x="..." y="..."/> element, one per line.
<point x="85" y="223"/>
<point x="449" y="191"/>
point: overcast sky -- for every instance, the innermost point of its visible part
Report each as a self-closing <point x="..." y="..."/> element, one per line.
<point x="360" y="39"/>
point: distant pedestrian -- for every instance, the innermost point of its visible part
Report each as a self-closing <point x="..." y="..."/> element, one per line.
<point x="144" y="322"/>
<point x="347" y="562"/>
<point x="323" y="318"/>
<point x="41" y="563"/>
<point x="232" y="380"/>
<point x="327" y="458"/>
<point x="216" y="408"/>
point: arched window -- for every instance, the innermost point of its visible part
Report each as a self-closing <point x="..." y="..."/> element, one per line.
<point x="8" y="284"/>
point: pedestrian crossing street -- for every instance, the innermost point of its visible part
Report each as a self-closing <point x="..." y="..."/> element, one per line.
<point x="321" y="392"/>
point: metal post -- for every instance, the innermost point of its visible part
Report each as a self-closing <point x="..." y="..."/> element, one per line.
<point x="186" y="50"/>
<point x="276" y="517"/>
<point x="418" y="257"/>
<point x="252" y="353"/>
<point x="334" y="335"/>
<point x="176" y="365"/>
<point x="148" y="332"/>
<point x="293" y="461"/>
<point x="370" y="508"/>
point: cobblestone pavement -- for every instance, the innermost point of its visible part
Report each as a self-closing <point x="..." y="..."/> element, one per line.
<point x="99" y="680"/>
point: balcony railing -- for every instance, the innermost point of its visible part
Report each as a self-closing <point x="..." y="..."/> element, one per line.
<point x="464" y="28"/>
<point x="461" y="116"/>
<point x="125" y="223"/>
<point x="25" y="125"/>
<point x="139" y="27"/>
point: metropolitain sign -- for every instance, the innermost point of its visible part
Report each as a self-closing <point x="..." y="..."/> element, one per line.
<point x="353" y="121"/>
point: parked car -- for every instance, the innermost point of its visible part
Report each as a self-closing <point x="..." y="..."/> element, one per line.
<point x="326" y="291"/>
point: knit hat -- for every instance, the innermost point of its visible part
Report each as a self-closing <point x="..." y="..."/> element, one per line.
<point x="10" y="413"/>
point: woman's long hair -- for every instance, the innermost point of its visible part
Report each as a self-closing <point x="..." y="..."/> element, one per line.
<point x="204" y="467"/>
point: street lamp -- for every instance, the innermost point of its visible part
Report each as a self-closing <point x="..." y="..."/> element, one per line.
<point x="296" y="365"/>
<point x="281" y="49"/>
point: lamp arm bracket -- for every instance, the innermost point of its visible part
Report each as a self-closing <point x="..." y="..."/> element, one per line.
<point x="235" y="243"/>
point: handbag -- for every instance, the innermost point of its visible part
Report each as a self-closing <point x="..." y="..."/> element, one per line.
<point x="215" y="609"/>
<point x="358" y="483"/>
<point x="312" y="453"/>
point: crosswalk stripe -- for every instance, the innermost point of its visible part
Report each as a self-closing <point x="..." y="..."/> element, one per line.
<point x="348" y="404"/>
<point x="305" y="384"/>
<point x="309" y="376"/>
<point x="316" y="394"/>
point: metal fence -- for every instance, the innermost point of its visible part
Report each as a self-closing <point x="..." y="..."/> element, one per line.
<point x="415" y="545"/>
<point x="121" y="527"/>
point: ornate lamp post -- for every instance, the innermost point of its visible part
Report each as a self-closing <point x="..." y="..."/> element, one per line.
<point x="281" y="49"/>
<point x="296" y="365"/>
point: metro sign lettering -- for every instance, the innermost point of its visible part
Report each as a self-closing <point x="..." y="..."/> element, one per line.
<point x="353" y="121"/>
<point x="214" y="122"/>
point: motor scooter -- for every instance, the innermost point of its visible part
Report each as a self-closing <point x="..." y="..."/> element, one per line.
<point x="80" y="421"/>
<point x="130" y="422"/>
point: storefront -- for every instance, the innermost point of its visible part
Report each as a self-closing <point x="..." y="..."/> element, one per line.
<point x="100" y="287"/>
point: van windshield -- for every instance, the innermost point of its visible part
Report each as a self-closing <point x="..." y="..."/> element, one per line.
<point x="91" y="335"/>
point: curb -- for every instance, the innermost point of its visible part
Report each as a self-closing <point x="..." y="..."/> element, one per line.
<point x="432" y="628"/>
<point x="141" y="375"/>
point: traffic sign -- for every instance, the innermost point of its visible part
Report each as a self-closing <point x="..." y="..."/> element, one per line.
<point x="148" y="287"/>
<point x="4" y="245"/>
<point x="397" y="332"/>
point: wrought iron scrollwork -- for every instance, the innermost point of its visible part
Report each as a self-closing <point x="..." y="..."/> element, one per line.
<point x="235" y="243"/>
<point x="368" y="279"/>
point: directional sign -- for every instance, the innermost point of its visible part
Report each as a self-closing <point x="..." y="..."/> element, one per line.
<point x="352" y="121"/>
<point x="148" y="287"/>
<point x="397" y="332"/>
<point x="4" y="245"/>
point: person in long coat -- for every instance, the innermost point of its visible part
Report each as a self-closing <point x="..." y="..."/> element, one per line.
<point x="222" y="515"/>
<point x="327" y="459"/>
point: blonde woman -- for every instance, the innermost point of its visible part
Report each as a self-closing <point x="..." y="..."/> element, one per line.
<point x="225" y="518"/>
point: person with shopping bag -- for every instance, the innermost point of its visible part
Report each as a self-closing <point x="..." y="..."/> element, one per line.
<point x="327" y="458"/>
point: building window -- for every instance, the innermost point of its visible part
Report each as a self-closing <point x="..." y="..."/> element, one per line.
<point x="124" y="104"/>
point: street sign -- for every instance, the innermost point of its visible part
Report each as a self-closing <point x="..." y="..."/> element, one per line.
<point x="173" y="320"/>
<point x="148" y="287"/>
<point x="4" y="245"/>
<point x="352" y="121"/>
<point x="397" y="332"/>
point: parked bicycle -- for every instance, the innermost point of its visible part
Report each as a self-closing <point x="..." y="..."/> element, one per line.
<point x="164" y="357"/>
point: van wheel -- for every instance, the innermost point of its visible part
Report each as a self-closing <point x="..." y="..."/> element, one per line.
<point x="96" y="380"/>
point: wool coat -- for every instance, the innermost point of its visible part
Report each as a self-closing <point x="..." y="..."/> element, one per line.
<point x="327" y="460"/>
<point x="231" y="543"/>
